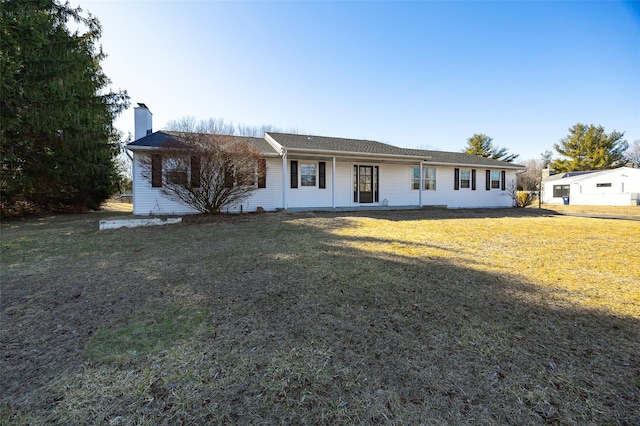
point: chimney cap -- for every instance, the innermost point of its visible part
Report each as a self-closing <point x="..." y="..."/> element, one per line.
<point x="141" y="105"/>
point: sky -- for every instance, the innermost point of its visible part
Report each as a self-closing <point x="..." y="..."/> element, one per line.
<point x="413" y="74"/>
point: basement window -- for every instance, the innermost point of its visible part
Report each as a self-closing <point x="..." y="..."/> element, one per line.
<point x="603" y="185"/>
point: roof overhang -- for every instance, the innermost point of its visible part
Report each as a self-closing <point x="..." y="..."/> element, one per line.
<point x="353" y="155"/>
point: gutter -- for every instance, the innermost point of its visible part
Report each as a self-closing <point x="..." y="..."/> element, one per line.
<point x="441" y="163"/>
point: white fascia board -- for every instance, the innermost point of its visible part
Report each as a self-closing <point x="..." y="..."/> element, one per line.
<point x="475" y="166"/>
<point x="349" y="155"/>
<point x="158" y="148"/>
<point x="271" y="141"/>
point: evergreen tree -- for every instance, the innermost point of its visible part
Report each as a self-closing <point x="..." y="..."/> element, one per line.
<point x="57" y="137"/>
<point x="481" y="144"/>
<point x="589" y="148"/>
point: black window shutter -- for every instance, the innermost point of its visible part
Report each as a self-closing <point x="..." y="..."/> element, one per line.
<point x="488" y="180"/>
<point x="376" y="176"/>
<point x="456" y="179"/>
<point x="503" y="180"/>
<point x="156" y="170"/>
<point x="195" y="172"/>
<point x="294" y="174"/>
<point x="355" y="184"/>
<point x="322" y="170"/>
<point x="473" y="179"/>
<point x="228" y="175"/>
<point x="262" y="173"/>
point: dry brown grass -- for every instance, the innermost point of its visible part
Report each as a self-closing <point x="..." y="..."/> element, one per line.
<point x="433" y="316"/>
<point x="624" y="211"/>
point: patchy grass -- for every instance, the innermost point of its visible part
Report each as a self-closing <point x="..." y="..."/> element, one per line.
<point x="512" y="316"/>
<point x="142" y="334"/>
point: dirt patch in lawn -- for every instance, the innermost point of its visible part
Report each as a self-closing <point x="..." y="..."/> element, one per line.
<point x="429" y="316"/>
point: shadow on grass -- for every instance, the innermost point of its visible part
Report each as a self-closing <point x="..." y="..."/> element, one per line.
<point x="300" y="327"/>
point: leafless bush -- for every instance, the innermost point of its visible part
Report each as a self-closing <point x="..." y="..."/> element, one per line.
<point x="207" y="172"/>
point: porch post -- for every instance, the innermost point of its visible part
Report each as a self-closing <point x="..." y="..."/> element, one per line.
<point x="284" y="180"/>
<point x="333" y="182"/>
<point x="420" y="185"/>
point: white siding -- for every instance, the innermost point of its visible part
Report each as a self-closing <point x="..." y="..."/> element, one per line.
<point x="394" y="188"/>
<point x="395" y="185"/>
<point x="269" y="198"/>
<point x="584" y="189"/>
<point x="311" y="197"/>
<point x="446" y="195"/>
<point x="151" y="201"/>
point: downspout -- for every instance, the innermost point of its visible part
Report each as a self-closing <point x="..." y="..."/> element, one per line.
<point x="333" y="183"/>
<point x="284" y="179"/>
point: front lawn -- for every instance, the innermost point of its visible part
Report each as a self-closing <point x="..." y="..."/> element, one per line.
<point x="515" y="316"/>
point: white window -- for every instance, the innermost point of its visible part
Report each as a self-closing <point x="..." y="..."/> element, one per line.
<point x="415" y="178"/>
<point x="465" y="179"/>
<point x="428" y="178"/>
<point x="429" y="174"/>
<point x="308" y="174"/>
<point x="495" y="180"/>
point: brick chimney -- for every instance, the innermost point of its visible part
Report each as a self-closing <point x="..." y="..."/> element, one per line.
<point x="143" y="119"/>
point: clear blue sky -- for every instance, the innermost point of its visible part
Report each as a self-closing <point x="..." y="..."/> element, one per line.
<point x="413" y="74"/>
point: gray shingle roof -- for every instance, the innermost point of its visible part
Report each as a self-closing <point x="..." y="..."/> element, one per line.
<point x="293" y="142"/>
<point x="331" y="145"/>
<point x="166" y="138"/>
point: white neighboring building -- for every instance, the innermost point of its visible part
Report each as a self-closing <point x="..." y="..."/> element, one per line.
<point x="615" y="187"/>
<point x="317" y="172"/>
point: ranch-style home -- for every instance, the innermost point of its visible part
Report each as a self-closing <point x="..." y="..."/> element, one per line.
<point x="615" y="187"/>
<point x="315" y="172"/>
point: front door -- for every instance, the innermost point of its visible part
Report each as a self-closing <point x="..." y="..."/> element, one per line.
<point x="366" y="184"/>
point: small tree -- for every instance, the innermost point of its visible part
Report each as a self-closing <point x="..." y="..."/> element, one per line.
<point x="633" y="153"/>
<point x="529" y="180"/>
<point x="204" y="171"/>
<point x="589" y="148"/>
<point x="519" y="198"/>
<point x="481" y="144"/>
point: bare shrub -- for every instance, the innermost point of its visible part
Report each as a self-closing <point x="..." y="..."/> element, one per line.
<point x="204" y="171"/>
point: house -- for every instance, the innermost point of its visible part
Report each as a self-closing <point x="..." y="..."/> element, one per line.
<point x="317" y="172"/>
<point x="615" y="187"/>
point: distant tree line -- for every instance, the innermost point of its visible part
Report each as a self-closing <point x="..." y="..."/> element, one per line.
<point x="218" y="126"/>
